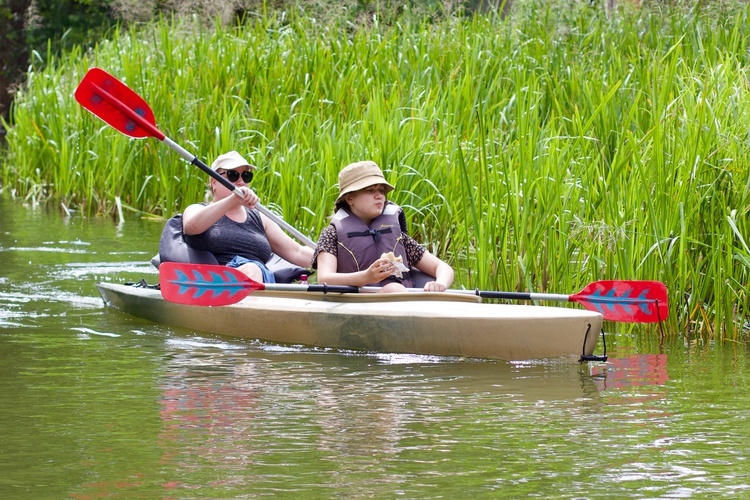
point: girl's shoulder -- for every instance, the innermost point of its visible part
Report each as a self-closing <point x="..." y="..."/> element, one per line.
<point x="329" y="233"/>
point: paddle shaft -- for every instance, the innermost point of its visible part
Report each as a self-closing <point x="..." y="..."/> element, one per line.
<point x="155" y="132"/>
<point x="552" y="297"/>
<point x="480" y="293"/>
<point x="510" y="295"/>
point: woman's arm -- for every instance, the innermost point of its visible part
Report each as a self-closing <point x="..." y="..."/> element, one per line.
<point x="197" y="218"/>
<point x="284" y="246"/>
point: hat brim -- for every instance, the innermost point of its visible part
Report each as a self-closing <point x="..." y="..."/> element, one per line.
<point x="370" y="180"/>
<point x="235" y="167"/>
<point x="251" y="167"/>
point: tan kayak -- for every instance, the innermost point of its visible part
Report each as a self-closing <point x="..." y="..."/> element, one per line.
<point x="417" y="323"/>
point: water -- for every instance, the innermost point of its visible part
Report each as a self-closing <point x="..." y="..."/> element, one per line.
<point x="99" y="404"/>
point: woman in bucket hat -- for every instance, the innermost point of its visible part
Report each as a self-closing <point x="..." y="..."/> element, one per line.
<point x="366" y="242"/>
<point x="233" y="231"/>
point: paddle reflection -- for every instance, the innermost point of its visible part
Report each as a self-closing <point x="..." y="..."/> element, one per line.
<point x="631" y="371"/>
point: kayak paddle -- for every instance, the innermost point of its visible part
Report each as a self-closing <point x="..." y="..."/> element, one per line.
<point x="119" y="106"/>
<point x="629" y="301"/>
<point x="210" y="285"/>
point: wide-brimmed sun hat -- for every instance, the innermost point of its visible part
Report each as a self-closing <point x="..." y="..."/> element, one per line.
<point x="360" y="175"/>
<point x="231" y="161"/>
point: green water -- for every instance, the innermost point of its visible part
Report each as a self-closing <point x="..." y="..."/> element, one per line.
<point x="96" y="404"/>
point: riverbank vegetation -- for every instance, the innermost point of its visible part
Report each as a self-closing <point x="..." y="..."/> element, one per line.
<point x="541" y="151"/>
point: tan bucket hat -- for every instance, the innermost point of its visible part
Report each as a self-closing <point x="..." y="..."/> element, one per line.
<point x="231" y="161"/>
<point x="360" y="175"/>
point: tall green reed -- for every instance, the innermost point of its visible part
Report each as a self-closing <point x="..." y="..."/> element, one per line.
<point x="538" y="152"/>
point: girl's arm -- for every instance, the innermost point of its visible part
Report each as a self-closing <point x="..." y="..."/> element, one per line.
<point x="433" y="266"/>
<point x="327" y="272"/>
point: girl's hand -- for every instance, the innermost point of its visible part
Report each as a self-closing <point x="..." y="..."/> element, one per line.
<point x="434" y="286"/>
<point x="380" y="270"/>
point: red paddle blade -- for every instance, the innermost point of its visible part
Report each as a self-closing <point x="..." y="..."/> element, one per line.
<point x="204" y="285"/>
<point x="115" y="103"/>
<point x="626" y="300"/>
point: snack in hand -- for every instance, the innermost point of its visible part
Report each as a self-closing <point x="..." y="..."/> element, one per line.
<point x="392" y="257"/>
<point x="398" y="263"/>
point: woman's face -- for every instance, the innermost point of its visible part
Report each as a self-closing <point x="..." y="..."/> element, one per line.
<point x="242" y="178"/>
<point x="367" y="203"/>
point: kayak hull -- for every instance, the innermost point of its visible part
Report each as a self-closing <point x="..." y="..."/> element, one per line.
<point x="416" y="323"/>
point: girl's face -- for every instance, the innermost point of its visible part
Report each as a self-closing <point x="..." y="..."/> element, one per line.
<point x="367" y="203"/>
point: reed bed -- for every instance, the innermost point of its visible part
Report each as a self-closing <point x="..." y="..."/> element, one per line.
<point x="539" y="152"/>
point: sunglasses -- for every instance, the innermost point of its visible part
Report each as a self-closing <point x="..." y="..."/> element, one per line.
<point x="234" y="176"/>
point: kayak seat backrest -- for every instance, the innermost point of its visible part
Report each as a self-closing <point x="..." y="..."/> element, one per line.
<point x="173" y="248"/>
<point x="284" y="271"/>
<point x="418" y="278"/>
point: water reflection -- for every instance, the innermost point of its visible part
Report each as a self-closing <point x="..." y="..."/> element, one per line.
<point x="631" y="370"/>
<point x="242" y="411"/>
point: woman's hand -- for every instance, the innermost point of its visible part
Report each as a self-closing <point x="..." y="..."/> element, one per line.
<point x="249" y="198"/>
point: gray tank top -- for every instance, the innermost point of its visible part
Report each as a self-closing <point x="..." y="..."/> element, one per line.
<point x="227" y="239"/>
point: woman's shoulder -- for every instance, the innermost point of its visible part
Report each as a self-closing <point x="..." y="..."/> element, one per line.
<point x="199" y="204"/>
<point x="193" y="207"/>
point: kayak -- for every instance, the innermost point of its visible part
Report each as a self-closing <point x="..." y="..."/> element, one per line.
<point x="203" y="297"/>
<point x="416" y="322"/>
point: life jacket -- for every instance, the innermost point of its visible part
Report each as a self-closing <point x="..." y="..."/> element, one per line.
<point x="360" y="245"/>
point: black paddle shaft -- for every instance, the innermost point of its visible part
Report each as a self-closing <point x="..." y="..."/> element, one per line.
<point x="332" y="288"/>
